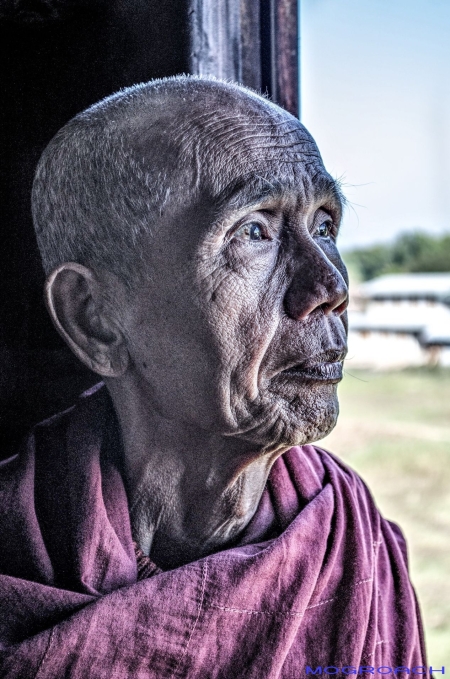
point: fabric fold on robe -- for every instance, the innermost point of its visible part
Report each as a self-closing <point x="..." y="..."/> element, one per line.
<point x="318" y="577"/>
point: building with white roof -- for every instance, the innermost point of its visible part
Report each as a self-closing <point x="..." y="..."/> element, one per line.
<point x="400" y="320"/>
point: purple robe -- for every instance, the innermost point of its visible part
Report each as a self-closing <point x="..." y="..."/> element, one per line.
<point x="317" y="579"/>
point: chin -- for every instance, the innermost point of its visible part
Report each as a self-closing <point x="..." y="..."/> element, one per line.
<point x="321" y="416"/>
<point x="311" y="429"/>
<point x="307" y="418"/>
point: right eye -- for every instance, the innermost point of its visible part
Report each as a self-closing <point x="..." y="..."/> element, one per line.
<point x="252" y="231"/>
<point x="324" y="229"/>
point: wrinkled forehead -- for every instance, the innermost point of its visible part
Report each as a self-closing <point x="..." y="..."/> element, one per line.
<point x="242" y="155"/>
<point x="230" y="148"/>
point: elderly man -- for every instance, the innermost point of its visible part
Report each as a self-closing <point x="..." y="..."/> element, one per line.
<point x="176" y="522"/>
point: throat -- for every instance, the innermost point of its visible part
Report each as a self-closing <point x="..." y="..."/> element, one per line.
<point x="191" y="492"/>
<point x="178" y="517"/>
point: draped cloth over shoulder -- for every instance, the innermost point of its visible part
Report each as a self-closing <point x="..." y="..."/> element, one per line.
<point x="318" y="577"/>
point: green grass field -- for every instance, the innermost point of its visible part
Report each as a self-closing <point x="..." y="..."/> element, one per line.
<point x="394" y="430"/>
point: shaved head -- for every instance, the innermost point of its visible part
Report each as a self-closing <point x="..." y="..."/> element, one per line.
<point x="112" y="173"/>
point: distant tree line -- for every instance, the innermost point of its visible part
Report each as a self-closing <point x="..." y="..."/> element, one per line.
<point x="411" y="252"/>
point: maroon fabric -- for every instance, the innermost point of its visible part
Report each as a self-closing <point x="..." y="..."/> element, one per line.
<point x="318" y="578"/>
<point x="146" y="568"/>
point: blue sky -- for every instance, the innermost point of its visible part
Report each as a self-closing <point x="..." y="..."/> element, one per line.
<point x="375" y="95"/>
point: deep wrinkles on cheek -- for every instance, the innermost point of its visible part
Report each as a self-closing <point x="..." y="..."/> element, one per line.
<point x="210" y="283"/>
<point x="219" y="287"/>
<point x="272" y="299"/>
<point x="255" y="337"/>
<point x="237" y="360"/>
<point x="257" y="328"/>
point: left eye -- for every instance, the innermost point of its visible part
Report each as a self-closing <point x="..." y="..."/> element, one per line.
<point x="324" y="229"/>
<point x="251" y="231"/>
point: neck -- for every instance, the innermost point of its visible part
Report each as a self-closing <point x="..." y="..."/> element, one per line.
<point x="190" y="491"/>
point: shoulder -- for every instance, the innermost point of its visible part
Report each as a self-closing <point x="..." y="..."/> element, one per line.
<point x="45" y="460"/>
<point x="351" y="486"/>
<point x="315" y="469"/>
<point x="43" y="438"/>
<point x="341" y="473"/>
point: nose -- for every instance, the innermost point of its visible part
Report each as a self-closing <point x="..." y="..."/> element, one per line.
<point x="317" y="284"/>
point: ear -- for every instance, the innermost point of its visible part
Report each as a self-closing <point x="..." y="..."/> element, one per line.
<point x="75" y="301"/>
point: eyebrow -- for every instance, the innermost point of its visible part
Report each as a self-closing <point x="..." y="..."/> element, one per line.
<point x="254" y="189"/>
<point x="326" y="187"/>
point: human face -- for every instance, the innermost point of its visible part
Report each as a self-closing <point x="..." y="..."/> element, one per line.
<point x="241" y="328"/>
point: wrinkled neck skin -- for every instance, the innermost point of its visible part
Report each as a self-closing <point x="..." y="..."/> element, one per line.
<point x="191" y="492"/>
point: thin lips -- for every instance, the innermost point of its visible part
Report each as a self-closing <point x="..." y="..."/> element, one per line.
<point x="330" y="356"/>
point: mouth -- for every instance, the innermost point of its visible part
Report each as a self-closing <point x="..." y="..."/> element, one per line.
<point x="326" y="367"/>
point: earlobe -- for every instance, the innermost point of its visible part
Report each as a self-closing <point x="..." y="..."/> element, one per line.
<point x="75" y="300"/>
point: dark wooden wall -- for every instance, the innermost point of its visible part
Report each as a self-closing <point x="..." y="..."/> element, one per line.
<point x="56" y="58"/>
